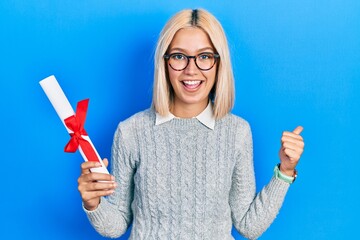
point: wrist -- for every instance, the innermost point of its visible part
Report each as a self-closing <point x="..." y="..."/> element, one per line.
<point x="289" y="173"/>
<point x="284" y="177"/>
<point x="91" y="207"/>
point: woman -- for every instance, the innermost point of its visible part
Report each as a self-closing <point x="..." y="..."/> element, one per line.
<point x="183" y="169"/>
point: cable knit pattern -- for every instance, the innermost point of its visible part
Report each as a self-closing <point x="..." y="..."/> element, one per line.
<point x="181" y="180"/>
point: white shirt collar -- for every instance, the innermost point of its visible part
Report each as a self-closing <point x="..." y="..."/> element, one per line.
<point x="206" y="117"/>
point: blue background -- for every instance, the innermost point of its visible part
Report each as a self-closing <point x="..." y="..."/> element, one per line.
<point x="295" y="63"/>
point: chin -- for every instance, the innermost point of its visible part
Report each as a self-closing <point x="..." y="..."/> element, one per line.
<point x="194" y="100"/>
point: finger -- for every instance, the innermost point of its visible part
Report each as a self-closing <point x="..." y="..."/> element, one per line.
<point x="87" y="196"/>
<point x="96" y="186"/>
<point x="293" y="135"/>
<point x="87" y="187"/>
<point x="86" y="166"/>
<point x="292" y="146"/>
<point x="106" y="162"/>
<point x="291" y="154"/>
<point x="298" y="130"/>
<point x="94" y="176"/>
<point x="298" y="142"/>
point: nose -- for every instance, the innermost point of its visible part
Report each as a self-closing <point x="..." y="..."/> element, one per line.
<point x="191" y="68"/>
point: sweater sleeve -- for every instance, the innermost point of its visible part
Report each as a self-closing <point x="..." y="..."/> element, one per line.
<point x="114" y="215"/>
<point x="252" y="213"/>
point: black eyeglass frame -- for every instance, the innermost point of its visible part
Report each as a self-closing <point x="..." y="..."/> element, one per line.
<point x="216" y="57"/>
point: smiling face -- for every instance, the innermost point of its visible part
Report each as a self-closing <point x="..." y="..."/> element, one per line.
<point x="191" y="86"/>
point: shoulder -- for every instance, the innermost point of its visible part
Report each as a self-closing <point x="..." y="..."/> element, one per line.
<point x="130" y="127"/>
<point x="140" y="119"/>
<point x="236" y="128"/>
<point x="239" y="130"/>
<point x="235" y="122"/>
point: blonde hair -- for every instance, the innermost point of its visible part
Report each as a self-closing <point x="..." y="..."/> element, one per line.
<point x="223" y="91"/>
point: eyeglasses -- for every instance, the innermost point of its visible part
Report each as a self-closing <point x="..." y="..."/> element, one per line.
<point x="203" y="61"/>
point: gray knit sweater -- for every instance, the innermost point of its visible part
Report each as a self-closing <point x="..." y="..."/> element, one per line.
<point x="182" y="180"/>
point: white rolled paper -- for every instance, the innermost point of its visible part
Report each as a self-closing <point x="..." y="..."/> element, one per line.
<point x="63" y="108"/>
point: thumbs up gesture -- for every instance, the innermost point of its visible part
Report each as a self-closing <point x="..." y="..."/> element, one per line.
<point x="292" y="146"/>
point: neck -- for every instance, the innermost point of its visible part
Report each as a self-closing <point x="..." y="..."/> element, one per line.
<point x="188" y="110"/>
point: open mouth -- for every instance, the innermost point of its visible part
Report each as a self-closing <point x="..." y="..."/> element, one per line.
<point x="193" y="84"/>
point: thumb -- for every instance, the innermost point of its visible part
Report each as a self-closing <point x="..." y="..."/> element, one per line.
<point x="106" y="162"/>
<point x="298" y="130"/>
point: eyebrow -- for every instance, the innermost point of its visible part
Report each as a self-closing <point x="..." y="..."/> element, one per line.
<point x="198" y="50"/>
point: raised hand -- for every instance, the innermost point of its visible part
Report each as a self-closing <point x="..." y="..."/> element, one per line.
<point x="292" y="146"/>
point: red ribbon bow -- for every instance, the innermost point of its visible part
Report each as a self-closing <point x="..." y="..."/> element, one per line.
<point x="76" y="124"/>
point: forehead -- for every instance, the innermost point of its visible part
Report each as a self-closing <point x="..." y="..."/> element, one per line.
<point x="191" y="40"/>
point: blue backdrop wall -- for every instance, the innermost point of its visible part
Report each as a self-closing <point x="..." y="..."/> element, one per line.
<point x="295" y="63"/>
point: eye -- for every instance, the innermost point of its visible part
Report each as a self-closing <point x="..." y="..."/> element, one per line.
<point x="177" y="56"/>
<point x="206" y="56"/>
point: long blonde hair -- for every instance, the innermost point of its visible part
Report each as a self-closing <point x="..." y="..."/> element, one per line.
<point x="223" y="94"/>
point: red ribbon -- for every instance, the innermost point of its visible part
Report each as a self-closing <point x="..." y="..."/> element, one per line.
<point x="76" y="124"/>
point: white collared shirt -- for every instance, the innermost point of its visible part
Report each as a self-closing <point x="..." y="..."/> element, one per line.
<point x="206" y="117"/>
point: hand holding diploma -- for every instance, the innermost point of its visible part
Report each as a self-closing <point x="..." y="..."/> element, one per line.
<point x="92" y="185"/>
<point x="292" y="146"/>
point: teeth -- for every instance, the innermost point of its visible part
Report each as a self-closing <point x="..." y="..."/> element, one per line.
<point x="192" y="82"/>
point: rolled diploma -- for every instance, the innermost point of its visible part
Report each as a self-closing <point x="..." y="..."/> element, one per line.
<point x="63" y="108"/>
